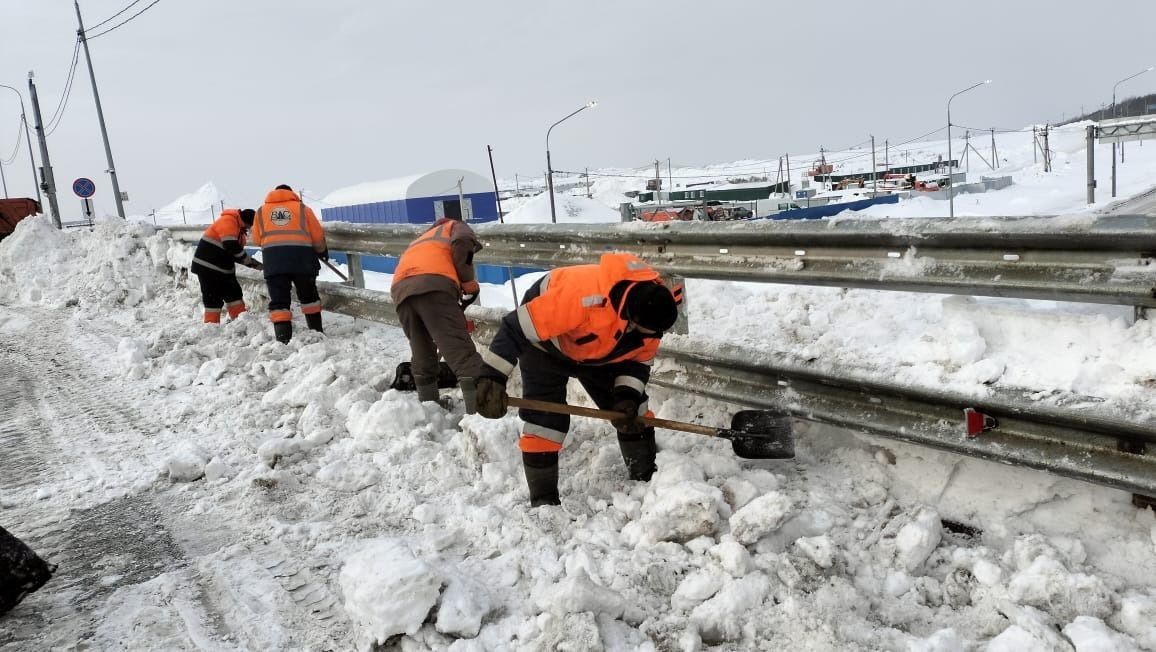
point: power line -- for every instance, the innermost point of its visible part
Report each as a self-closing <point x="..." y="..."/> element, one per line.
<point x="123" y="22"/>
<point x="127" y="7"/>
<point x="15" y="150"/>
<point x="58" y="115"/>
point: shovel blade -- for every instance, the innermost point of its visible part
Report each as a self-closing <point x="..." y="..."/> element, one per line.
<point x="761" y="435"/>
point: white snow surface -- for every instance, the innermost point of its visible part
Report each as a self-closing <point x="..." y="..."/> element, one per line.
<point x="308" y="507"/>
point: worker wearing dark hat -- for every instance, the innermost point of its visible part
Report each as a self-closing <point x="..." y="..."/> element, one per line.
<point x="292" y="242"/>
<point x="221" y="248"/>
<point x="598" y="323"/>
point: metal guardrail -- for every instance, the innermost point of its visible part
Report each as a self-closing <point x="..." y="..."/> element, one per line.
<point x="1109" y="259"/>
<point x="1081" y="444"/>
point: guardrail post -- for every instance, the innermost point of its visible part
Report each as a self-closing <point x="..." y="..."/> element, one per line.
<point x="356" y="273"/>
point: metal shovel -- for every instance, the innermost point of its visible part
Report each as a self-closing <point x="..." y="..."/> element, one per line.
<point x="754" y="434"/>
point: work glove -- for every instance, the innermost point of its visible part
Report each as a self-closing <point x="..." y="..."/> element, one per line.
<point x="492" y="398"/>
<point x="254" y="264"/>
<point x="627" y="405"/>
<point x="323" y="255"/>
<point x="471" y="287"/>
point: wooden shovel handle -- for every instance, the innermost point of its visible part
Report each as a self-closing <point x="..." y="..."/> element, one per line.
<point x="607" y="415"/>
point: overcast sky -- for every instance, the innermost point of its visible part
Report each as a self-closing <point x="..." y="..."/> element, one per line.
<point x="328" y="93"/>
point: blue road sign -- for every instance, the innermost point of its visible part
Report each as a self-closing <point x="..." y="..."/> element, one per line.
<point x="84" y="188"/>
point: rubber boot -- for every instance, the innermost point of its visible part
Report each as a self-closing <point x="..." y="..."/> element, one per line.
<point x="427" y="388"/>
<point x="469" y="394"/>
<point x="212" y="316"/>
<point x="639" y="451"/>
<point x="314" y="322"/>
<point x="542" y="478"/>
<point x="283" y="331"/>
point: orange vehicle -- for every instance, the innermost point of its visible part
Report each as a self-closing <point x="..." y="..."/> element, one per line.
<point x="14" y="210"/>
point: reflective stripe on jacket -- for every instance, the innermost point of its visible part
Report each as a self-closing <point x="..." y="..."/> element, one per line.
<point x="289" y="235"/>
<point x="222" y="244"/>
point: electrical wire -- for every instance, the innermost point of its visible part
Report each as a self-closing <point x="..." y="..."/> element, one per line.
<point x="58" y="115"/>
<point x="15" y="150"/>
<point x="123" y="22"/>
<point x="126" y="8"/>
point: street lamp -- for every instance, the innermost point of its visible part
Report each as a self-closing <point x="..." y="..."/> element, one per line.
<point x="27" y="138"/>
<point x="950" y="181"/>
<point x="550" y="168"/>
<point x="1148" y="69"/>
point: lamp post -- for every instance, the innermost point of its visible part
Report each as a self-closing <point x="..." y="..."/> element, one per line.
<point x="550" y="168"/>
<point x="1114" y="87"/>
<point x="28" y="138"/>
<point x="950" y="181"/>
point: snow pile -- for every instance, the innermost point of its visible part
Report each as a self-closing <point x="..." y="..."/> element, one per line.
<point x="117" y="264"/>
<point x="567" y="208"/>
<point x="201" y="206"/>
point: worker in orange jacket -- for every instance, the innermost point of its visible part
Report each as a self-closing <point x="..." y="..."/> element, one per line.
<point x="292" y="242"/>
<point x="433" y="283"/>
<point x="598" y="323"/>
<point x="221" y="247"/>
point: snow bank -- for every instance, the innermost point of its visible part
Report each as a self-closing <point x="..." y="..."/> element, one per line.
<point x="569" y="210"/>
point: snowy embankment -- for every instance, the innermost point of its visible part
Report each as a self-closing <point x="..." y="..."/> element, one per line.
<point x="319" y="510"/>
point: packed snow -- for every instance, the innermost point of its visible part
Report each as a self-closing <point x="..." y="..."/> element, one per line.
<point x="293" y="501"/>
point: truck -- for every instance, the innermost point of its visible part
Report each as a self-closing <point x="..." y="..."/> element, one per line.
<point x="14" y="210"/>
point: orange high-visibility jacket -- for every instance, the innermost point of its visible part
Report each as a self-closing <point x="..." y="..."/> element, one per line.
<point x="573" y="315"/>
<point x="222" y="244"/>
<point x="432" y="252"/>
<point x="289" y="234"/>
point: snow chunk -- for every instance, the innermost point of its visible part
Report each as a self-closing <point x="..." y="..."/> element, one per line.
<point x="1092" y="635"/>
<point x="697" y="587"/>
<point x="579" y="593"/>
<point x="464" y="604"/>
<point x="1046" y="584"/>
<point x="187" y="463"/>
<point x="1016" y="639"/>
<point x="917" y="539"/>
<point x="722" y="617"/>
<point x="388" y="591"/>
<point x="681" y="513"/>
<point x="759" y="517"/>
<point x="1137" y="613"/>
<point x="818" y="549"/>
<point x="945" y="640"/>
<point x="733" y="557"/>
<point x="348" y="476"/>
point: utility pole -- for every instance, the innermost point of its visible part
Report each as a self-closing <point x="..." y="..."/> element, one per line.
<point x="966" y="152"/>
<point x="1047" y="151"/>
<point x="517" y="186"/>
<point x="657" y="182"/>
<point x="994" y="157"/>
<point x="669" y="176"/>
<point x="874" y="173"/>
<point x="47" y="183"/>
<point x="588" y="195"/>
<point x="787" y="158"/>
<point x="4" y="181"/>
<point x="99" y="113"/>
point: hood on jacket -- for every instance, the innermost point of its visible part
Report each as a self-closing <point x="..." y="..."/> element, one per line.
<point x="281" y="196"/>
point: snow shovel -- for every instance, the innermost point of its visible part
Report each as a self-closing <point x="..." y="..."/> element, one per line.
<point x="331" y="266"/>
<point x="754" y="434"/>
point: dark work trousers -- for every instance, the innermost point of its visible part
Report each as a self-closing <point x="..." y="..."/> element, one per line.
<point x="544" y="377"/>
<point x="280" y="284"/>
<point x="434" y="323"/>
<point x="217" y="289"/>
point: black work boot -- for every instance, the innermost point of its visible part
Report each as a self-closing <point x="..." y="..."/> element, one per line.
<point x="314" y="322"/>
<point x="469" y="394"/>
<point x="639" y="451"/>
<point x="427" y="388"/>
<point x="542" y="478"/>
<point x="283" y="331"/>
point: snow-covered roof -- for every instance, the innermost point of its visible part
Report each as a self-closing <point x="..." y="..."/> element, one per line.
<point x="430" y="184"/>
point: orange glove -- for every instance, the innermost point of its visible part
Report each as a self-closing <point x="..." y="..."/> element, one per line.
<point x="470" y="287"/>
